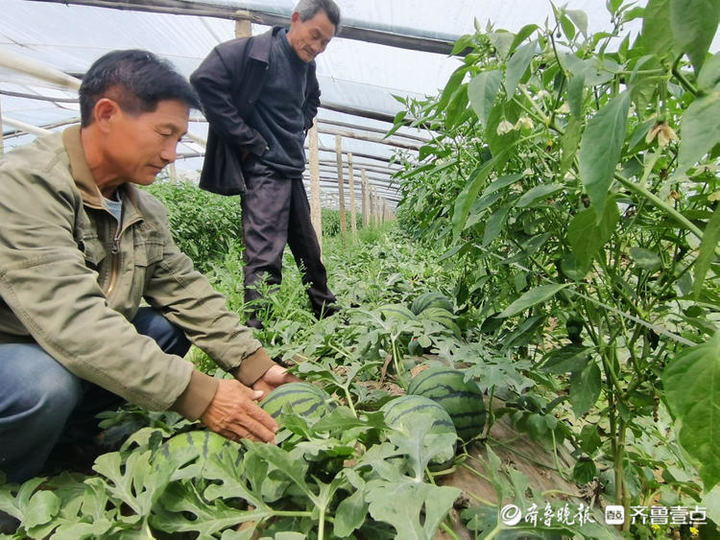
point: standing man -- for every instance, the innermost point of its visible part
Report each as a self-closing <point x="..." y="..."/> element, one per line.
<point x="80" y="248"/>
<point x="260" y="96"/>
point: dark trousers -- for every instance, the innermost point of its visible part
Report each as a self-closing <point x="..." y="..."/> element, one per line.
<point x="42" y="403"/>
<point x="275" y="212"/>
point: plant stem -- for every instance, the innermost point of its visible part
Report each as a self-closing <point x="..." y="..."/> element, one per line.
<point x="680" y="77"/>
<point x="660" y="204"/>
<point x="449" y="530"/>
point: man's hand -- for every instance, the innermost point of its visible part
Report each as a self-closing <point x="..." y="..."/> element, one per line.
<point x="273" y="377"/>
<point x="234" y="414"/>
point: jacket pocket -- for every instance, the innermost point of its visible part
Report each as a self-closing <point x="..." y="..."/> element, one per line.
<point x="93" y="251"/>
<point x="148" y="245"/>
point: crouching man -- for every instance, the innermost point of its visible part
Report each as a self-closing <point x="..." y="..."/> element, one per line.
<point x="80" y="248"/>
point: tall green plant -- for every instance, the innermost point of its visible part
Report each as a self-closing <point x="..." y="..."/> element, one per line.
<point x="575" y="175"/>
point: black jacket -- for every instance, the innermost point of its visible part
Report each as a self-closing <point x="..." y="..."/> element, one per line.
<point x="229" y="82"/>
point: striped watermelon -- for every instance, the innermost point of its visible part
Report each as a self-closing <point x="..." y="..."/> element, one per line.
<point x="407" y="412"/>
<point x="184" y="448"/>
<point x="302" y="398"/>
<point x="431" y="299"/>
<point x="462" y="400"/>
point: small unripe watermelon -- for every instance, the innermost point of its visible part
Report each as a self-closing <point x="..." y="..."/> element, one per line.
<point x="462" y="400"/>
<point x="302" y="398"/>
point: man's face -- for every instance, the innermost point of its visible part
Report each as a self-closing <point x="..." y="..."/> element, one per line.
<point x="139" y="147"/>
<point x="309" y="38"/>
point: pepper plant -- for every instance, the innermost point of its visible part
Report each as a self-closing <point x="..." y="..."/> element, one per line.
<point x="573" y="176"/>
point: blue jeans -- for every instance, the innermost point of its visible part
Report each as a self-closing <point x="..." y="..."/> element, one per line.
<point x="41" y="401"/>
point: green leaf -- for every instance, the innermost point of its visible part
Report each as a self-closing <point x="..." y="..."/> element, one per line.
<point x="600" y="149"/>
<point x="694" y="23"/>
<point x="543" y="191"/>
<point x="645" y="258"/>
<point x="584" y="471"/>
<point x="525" y="32"/>
<point x="180" y="501"/>
<point x="532" y="297"/>
<point x="710" y="74"/>
<point x="350" y="514"/>
<point x="502" y="41"/>
<point x="467" y="196"/>
<point x="570" y="141"/>
<point x="710" y="239"/>
<point x="580" y="19"/>
<point x="403" y="504"/>
<point x="502" y="182"/>
<point x="692" y="391"/>
<point x="482" y="91"/>
<point x="656" y="37"/>
<point x="494" y="224"/>
<point x="517" y="66"/>
<point x="42" y="507"/>
<point x="700" y="129"/>
<point x="568" y="27"/>
<point x="586" y="236"/>
<point x="569" y="359"/>
<point x="585" y="389"/>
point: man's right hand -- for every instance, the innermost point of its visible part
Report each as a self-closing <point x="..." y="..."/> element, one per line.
<point x="234" y="414"/>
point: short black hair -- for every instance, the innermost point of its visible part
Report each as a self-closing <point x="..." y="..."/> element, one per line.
<point x="308" y="8"/>
<point x="137" y="80"/>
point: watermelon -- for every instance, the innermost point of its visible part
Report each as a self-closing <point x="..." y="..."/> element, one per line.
<point x="189" y="452"/>
<point x="302" y="398"/>
<point x="431" y="299"/>
<point x="462" y="400"/>
<point x="407" y="412"/>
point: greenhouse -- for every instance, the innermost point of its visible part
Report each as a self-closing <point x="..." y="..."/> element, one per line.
<point x="316" y="269"/>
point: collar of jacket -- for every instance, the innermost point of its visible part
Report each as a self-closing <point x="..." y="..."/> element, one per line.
<point x="261" y="44"/>
<point x="84" y="179"/>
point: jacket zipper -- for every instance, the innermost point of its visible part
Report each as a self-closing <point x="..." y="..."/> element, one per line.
<point x="115" y="251"/>
<point x="115" y="271"/>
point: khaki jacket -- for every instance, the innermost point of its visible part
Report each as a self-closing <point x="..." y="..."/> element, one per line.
<point x="71" y="282"/>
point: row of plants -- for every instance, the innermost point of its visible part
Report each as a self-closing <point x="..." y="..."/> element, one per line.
<point x="346" y="474"/>
<point x="573" y="178"/>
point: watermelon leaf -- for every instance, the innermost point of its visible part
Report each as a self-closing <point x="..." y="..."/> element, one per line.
<point x="401" y="504"/>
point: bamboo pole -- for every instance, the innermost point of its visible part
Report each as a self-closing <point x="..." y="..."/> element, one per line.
<point x="28" y="128"/>
<point x="341" y="188"/>
<point x="365" y="205"/>
<point x="315" y="214"/>
<point x="376" y="209"/>
<point x="24" y="64"/>
<point x="243" y="25"/>
<point x="351" y="185"/>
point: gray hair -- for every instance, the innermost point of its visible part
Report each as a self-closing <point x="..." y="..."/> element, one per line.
<point x="308" y="8"/>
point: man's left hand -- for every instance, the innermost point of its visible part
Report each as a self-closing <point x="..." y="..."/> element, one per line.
<point x="273" y="377"/>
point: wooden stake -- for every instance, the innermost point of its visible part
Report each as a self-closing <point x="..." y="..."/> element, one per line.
<point x="243" y="26"/>
<point x="365" y="198"/>
<point x="341" y="188"/>
<point x="353" y="214"/>
<point x="315" y="214"/>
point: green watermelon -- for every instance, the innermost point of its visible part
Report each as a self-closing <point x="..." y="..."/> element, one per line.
<point x="302" y="398"/>
<point x="462" y="400"/>
<point x="408" y="412"/>
<point x="431" y="299"/>
<point x="190" y="451"/>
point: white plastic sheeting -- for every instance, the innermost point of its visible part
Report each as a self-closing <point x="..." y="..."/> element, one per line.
<point x="352" y="73"/>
